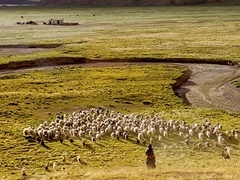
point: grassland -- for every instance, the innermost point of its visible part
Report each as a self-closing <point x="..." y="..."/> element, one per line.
<point x="30" y="98"/>
<point x="158" y="32"/>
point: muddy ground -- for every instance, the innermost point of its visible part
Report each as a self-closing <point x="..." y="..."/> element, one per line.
<point x="209" y="85"/>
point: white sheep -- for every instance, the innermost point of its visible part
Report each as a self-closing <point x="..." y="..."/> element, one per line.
<point x="55" y="166"/>
<point x="201" y="136"/>
<point x="24" y="171"/>
<point x="220" y="139"/>
<point x="236" y="136"/>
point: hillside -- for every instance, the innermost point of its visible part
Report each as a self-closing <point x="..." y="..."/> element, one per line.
<point x="136" y="2"/>
<point x="19" y="1"/>
<point x="13" y="1"/>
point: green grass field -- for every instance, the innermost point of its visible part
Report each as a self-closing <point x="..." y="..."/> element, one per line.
<point x="30" y="98"/>
<point x="160" y="32"/>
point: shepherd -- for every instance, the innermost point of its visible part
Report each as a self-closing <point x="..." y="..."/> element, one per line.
<point x="150" y="158"/>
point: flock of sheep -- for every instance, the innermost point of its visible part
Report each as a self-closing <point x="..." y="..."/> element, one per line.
<point x="145" y="129"/>
<point x="97" y="123"/>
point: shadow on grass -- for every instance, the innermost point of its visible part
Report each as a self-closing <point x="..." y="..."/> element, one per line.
<point x="65" y="144"/>
<point x="45" y="146"/>
<point x="83" y="163"/>
<point x="76" y="145"/>
<point x="89" y="147"/>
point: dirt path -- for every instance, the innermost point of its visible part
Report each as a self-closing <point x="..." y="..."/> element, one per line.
<point x="210" y="86"/>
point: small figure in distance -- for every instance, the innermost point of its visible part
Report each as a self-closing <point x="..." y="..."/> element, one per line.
<point x="150" y="158"/>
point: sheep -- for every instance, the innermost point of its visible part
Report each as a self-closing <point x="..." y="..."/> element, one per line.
<point x="187" y="142"/>
<point x="207" y="144"/>
<point x="46" y="166"/>
<point x="98" y="136"/>
<point x="199" y="145"/>
<point x="78" y="159"/>
<point x="55" y="166"/>
<point x="126" y="136"/>
<point x="24" y="171"/>
<point x="151" y="140"/>
<point x="220" y="139"/>
<point x="64" y="159"/>
<point x="228" y="150"/>
<point x="225" y="155"/>
<point x="113" y="135"/>
<point x="201" y="136"/>
<point x="208" y="134"/>
<point x="160" y="138"/>
<point x="190" y="132"/>
<point x="25" y="132"/>
<point x="165" y="133"/>
<point x="140" y="136"/>
<point x="236" y="136"/>
<point x="95" y="123"/>
<point x="180" y="134"/>
<point x="93" y="139"/>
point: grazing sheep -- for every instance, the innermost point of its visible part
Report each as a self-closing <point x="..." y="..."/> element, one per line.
<point x="180" y="134"/>
<point x="159" y="137"/>
<point x="64" y="159"/>
<point x="79" y="159"/>
<point x="187" y="142"/>
<point x="201" y="136"/>
<point x="113" y="135"/>
<point x="55" y="166"/>
<point x="208" y="134"/>
<point x="225" y="155"/>
<point x="165" y="133"/>
<point x="151" y="140"/>
<point x="63" y="168"/>
<point x="207" y="144"/>
<point x="97" y="122"/>
<point x="24" y="171"/>
<point x="236" y="136"/>
<point x="93" y="139"/>
<point x="46" y="167"/>
<point x="228" y="150"/>
<point x="98" y="136"/>
<point x="220" y="139"/>
<point x="199" y="145"/>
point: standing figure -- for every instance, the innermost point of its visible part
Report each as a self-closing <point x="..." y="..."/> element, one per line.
<point x="150" y="157"/>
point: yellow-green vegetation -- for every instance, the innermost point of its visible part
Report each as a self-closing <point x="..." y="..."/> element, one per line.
<point x="206" y="32"/>
<point x="30" y="98"/>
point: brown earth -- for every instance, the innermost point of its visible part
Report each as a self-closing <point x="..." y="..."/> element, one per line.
<point x="210" y="85"/>
<point x="203" y="85"/>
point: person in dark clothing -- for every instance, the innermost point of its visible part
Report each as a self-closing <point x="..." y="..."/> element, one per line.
<point x="150" y="157"/>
